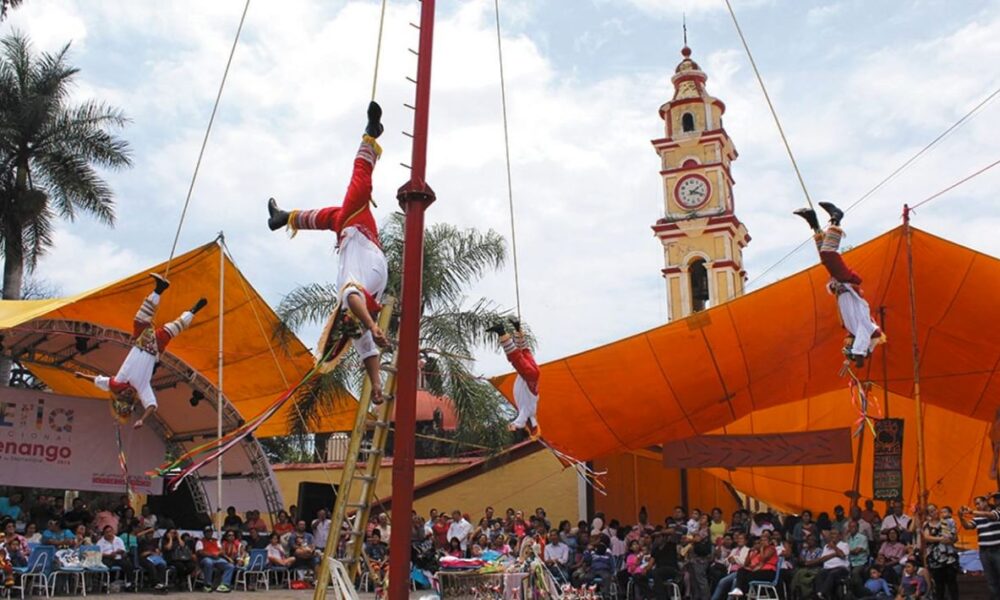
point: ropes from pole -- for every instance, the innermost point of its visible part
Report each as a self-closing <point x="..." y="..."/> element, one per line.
<point x="770" y="105"/>
<point x="955" y="185"/>
<point x="204" y="141"/>
<point x="506" y="144"/>
<point x="378" y="48"/>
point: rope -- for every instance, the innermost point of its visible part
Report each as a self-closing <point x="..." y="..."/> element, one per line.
<point x="204" y="141"/>
<point x="902" y="167"/>
<point x="378" y="49"/>
<point x="506" y="144"/>
<point x="955" y="185"/>
<point x="770" y="105"/>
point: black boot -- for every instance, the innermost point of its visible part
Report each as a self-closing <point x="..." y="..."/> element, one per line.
<point x="161" y="283"/>
<point x="515" y="323"/>
<point x="835" y="213"/>
<point x="810" y="216"/>
<point x="200" y="304"/>
<point x="277" y="218"/>
<point x="497" y="328"/>
<point x="374" y="127"/>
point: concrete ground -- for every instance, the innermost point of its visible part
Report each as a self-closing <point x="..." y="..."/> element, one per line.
<point x="279" y="594"/>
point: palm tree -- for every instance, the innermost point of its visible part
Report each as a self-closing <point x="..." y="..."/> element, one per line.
<point x="48" y="152"/>
<point x="450" y="329"/>
<point x="49" y="148"/>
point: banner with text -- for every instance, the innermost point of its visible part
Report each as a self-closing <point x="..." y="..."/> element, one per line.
<point x="887" y="473"/>
<point x="63" y="442"/>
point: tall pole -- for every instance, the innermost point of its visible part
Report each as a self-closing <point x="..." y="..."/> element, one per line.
<point x="918" y="404"/>
<point x="218" y="424"/>
<point x="885" y="364"/>
<point x="414" y="198"/>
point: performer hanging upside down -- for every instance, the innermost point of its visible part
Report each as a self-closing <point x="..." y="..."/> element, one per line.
<point x="845" y="283"/>
<point x="526" y="383"/>
<point x="362" y="273"/>
<point x="148" y="341"/>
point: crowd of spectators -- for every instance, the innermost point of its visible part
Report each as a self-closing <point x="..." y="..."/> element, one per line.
<point x="851" y="553"/>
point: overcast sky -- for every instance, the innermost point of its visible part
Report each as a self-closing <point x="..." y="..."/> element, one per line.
<point x="859" y="84"/>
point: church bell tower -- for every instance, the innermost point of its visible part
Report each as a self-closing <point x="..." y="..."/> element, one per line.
<point x="702" y="238"/>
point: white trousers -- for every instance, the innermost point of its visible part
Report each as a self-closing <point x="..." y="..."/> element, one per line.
<point x="527" y="403"/>
<point x="137" y="371"/>
<point x="857" y="318"/>
<point x="362" y="263"/>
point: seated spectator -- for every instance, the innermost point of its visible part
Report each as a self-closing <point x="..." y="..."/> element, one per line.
<point x="151" y="560"/>
<point x="804" y="528"/>
<point x="41" y="511"/>
<point x="254" y="522"/>
<point x="178" y="555"/>
<point x="912" y="585"/>
<point x="858" y="559"/>
<point x="10" y="533"/>
<point x="876" y="587"/>
<point x="835" y="565"/>
<point x="31" y="534"/>
<point x="809" y="565"/>
<point x="455" y="548"/>
<point x="128" y="523"/>
<point x="481" y="544"/>
<point x="76" y="516"/>
<point x="556" y="557"/>
<point x="147" y="520"/>
<point x="303" y="552"/>
<point x="892" y="552"/>
<point x="16" y="553"/>
<point x="105" y="517"/>
<point x="209" y="553"/>
<point x="283" y="526"/>
<point x="386" y="529"/>
<point x="761" y="564"/>
<point x="719" y="566"/>
<point x="761" y="523"/>
<point x="276" y="553"/>
<point x="717" y="526"/>
<point x="233" y="549"/>
<point x="81" y="537"/>
<point x="113" y="554"/>
<point x="602" y="568"/>
<point x="56" y="536"/>
<point x="639" y="565"/>
<point x="375" y="549"/>
<point x="255" y="541"/>
<point x="232" y="520"/>
<point x="895" y="519"/>
<point x="10" y="506"/>
<point x="871" y="515"/>
<point x="131" y="538"/>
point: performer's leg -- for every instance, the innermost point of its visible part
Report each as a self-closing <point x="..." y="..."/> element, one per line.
<point x="174" y="328"/>
<point x="359" y="308"/>
<point x="369" y="353"/>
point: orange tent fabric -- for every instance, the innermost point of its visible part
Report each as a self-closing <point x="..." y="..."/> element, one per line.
<point x="253" y="378"/>
<point x="769" y="361"/>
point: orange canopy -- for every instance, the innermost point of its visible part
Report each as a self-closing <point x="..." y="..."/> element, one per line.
<point x="253" y="377"/>
<point x="768" y="362"/>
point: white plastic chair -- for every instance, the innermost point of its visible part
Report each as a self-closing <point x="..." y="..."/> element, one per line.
<point x="340" y="579"/>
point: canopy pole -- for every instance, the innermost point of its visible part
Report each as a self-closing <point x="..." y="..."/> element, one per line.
<point x="414" y="198"/>
<point x="921" y="459"/>
<point x="885" y="364"/>
<point x="221" y="240"/>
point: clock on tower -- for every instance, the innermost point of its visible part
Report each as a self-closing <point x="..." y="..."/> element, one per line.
<point x="701" y="237"/>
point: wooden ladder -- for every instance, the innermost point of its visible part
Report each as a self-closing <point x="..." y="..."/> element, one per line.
<point x="359" y="478"/>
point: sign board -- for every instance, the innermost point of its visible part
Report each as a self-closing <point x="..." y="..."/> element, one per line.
<point x="829" y="446"/>
<point x="887" y="471"/>
<point x="64" y="442"/>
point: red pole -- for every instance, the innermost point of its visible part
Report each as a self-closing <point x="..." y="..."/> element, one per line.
<point x="414" y="198"/>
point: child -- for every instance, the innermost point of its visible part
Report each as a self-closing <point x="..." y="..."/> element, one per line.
<point x="876" y="587"/>
<point x="526" y="383"/>
<point x="845" y="284"/>
<point x="134" y="377"/>
<point x="911" y="586"/>
<point x="362" y="271"/>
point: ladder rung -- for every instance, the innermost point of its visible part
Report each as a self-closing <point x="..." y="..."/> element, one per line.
<point x="372" y="423"/>
<point x="357" y="505"/>
<point x="368" y="478"/>
<point x="375" y="451"/>
<point x="357" y="533"/>
<point x="390" y="368"/>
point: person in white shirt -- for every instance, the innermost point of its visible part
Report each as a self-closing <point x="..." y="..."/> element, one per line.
<point x="735" y="561"/>
<point x="320" y="529"/>
<point x="460" y="528"/>
<point x="759" y="525"/>
<point x="556" y="557"/>
<point x="692" y="523"/>
<point x="113" y="552"/>
<point x="835" y="565"/>
<point x="895" y="519"/>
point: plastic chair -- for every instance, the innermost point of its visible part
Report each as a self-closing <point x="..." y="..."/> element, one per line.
<point x="341" y="580"/>
<point x="767" y="590"/>
<point x="101" y="572"/>
<point x="256" y="568"/>
<point x="36" y="571"/>
<point x="73" y="575"/>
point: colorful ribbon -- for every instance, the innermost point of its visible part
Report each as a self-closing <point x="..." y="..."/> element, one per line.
<point x="594" y="479"/>
<point x="122" y="464"/>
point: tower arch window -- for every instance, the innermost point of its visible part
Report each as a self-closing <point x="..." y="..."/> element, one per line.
<point x="687" y="122"/>
<point x="698" y="278"/>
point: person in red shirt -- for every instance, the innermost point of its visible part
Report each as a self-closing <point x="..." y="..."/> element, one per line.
<point x="362" y="273"/>
<point x="440" y="529"/>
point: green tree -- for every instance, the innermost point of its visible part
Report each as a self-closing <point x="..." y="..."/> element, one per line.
<point x="451" y="329"/>
<point x="49" y="151"/>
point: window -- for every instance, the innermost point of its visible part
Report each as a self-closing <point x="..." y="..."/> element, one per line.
<point x="687" y="122"/>
<point x="699" y="284"/>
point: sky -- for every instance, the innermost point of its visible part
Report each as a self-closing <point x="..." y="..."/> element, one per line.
<point x="860" y="86"/>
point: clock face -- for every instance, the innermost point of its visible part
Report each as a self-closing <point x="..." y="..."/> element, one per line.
<point x="692" y="191"/>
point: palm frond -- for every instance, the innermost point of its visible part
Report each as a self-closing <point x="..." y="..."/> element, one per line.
<point x="310" y="303"/>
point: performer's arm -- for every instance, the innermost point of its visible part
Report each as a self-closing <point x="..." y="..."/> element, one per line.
<point x="145" y="415"/>
<point x="101" y="381"/>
